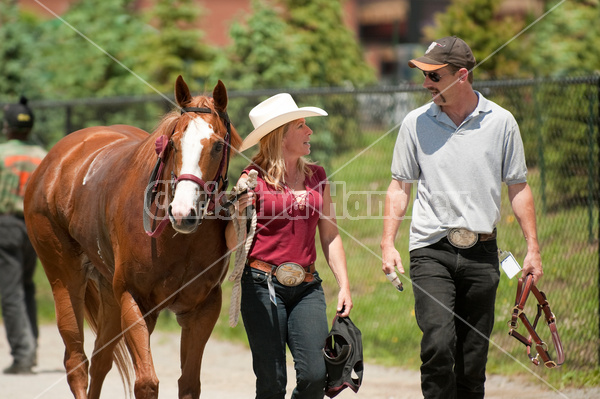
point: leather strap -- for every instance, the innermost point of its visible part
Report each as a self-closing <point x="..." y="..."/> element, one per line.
<point x="524" y="287"/>
<point x="269" y="268"/>
<point x="488" y="237"/>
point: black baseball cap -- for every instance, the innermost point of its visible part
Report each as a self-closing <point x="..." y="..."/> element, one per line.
<point x="447" y="50"/>
<point x="19" y="115"/>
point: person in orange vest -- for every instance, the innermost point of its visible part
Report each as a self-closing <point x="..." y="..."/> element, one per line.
<point x="18" y="159"/>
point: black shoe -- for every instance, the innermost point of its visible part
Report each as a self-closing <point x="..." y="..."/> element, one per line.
<point x="16" y="368"/>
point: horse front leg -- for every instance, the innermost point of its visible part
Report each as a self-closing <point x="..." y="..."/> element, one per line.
<point x="137" y="336"/>
<point x="196" y="328"/>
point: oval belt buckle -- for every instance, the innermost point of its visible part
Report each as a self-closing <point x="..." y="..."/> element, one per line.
<point x="290" y="274"/>
<point x="462" y="238"/>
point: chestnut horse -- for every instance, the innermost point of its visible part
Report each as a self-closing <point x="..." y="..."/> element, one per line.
<point x="84" y="209"/>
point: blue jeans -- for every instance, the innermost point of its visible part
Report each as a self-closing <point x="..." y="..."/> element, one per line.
<point x="299" y="321"/>
<point x="455" y="292"/>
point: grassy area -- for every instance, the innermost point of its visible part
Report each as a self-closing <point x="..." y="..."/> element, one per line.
<point x="386" y="317"/>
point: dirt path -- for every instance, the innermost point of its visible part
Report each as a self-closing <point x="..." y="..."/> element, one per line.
<point x="227" y="374"/>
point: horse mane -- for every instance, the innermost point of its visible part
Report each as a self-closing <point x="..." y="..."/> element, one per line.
<point x="167" y="123"/>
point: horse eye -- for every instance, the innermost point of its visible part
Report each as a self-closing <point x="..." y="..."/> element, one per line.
<point x="219" y="146"/>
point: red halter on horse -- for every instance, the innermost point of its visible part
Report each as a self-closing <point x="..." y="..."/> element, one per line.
<point x="84" y="210"/>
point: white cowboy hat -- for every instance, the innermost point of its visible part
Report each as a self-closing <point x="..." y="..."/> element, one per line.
<point x="274" y="112"/>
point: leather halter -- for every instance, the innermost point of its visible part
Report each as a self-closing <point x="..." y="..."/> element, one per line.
<point x="162" y="145"/>
<point x="524" y="287"/>
<point x="224" y="161"/>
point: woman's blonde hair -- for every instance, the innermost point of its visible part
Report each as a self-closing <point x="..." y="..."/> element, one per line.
<point x="270" y="158"/>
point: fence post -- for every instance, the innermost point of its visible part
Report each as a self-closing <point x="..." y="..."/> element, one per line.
<point x="591" y="178"/>
<point x="68" y="125"/>
<point x="598" y="176"/>
<point x="540" y="145"/>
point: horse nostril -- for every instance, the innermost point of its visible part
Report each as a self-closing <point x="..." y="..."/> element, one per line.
<point x="190" y="219"/>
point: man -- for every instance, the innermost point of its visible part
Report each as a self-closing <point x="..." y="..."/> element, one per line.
<point x="459" y="149"/>
<point x="17" y="256"/>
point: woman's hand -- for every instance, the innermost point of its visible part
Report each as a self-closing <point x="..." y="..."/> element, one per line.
<point x="344" y="303"/>
<point x="239" y="213"/>
<point x="243" y="202"/>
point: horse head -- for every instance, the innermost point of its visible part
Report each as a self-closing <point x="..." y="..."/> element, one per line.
<point x="201" y="144"/>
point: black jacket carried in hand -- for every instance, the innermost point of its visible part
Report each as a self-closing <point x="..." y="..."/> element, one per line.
<point x="343" y="357"/>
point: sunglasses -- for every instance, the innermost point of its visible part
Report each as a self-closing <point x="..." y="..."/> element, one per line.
<point x="435" y="77"/>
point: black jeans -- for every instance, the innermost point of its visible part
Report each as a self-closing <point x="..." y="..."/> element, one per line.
<point x="299" y="321"/>
<point x="17" y="290"/>
<point x="455" y="292"/>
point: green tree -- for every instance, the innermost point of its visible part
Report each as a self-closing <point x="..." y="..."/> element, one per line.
<point x="91" y="51"/>
<point x="17" y="35"/>
<point x="264" y="53"/>
<point x="333" y="56"/>
<point x="566" y="40"/>
<point x="299" y="43"/>
<point x="563" y="42"/>
<point x="175" y="46"/>
<point x="489" y="35"/>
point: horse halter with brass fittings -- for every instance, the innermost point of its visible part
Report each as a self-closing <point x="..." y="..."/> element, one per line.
<point x="162" y="145"/>
<point x="524" y="287"/>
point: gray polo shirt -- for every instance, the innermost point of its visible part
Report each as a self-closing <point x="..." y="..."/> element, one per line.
<point x="459" y="170"/>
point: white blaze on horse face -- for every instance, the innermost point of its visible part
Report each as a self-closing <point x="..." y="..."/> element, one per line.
<point x="187" y="193"/>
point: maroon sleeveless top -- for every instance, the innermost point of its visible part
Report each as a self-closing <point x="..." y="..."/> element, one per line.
<point x="286" y="227"/>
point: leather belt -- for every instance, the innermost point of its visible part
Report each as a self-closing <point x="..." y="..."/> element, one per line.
<point x="488" y="237"/>
<point x="269" y="268"/>
<point x="463" y="238"/>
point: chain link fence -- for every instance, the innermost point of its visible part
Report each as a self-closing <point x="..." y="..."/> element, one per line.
<point x="559" y="121"/>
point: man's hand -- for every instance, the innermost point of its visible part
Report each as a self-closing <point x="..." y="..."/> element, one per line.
<point x="391" y="260"/>
<point x="532" y="264"/>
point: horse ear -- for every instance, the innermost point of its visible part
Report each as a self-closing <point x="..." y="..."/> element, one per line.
<point x="220" y="96"/>
<point x="182" y="92"/>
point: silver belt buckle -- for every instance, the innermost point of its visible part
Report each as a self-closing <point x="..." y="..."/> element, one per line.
<point x="462" y="238"/>
<point x="290" y="274"/>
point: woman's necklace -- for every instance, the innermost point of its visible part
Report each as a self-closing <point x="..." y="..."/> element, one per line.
<point x="299" y="198"/>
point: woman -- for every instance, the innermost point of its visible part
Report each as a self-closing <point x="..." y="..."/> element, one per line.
<point x="282" y="298"/>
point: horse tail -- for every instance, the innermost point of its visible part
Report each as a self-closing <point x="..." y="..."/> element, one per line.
<point x="120" y="354"/>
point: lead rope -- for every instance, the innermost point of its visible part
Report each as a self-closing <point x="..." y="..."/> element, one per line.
<point x="241" y="253"/>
